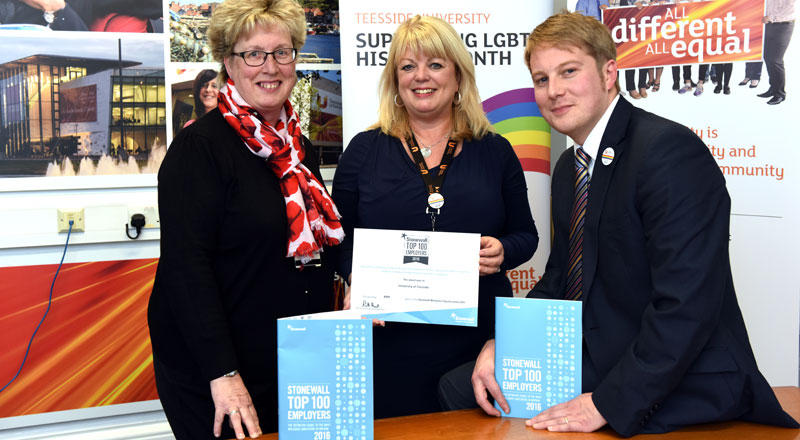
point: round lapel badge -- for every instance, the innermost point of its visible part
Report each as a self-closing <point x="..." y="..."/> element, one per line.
<point x="608" y="156"/>
<point x="435" y="200"/>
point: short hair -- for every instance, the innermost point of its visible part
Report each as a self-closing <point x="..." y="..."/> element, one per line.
<point x="203" y="77"/>
<point x="435" y="38"/>
<point x="234" y="18"/>
<point x="573" y="29"/>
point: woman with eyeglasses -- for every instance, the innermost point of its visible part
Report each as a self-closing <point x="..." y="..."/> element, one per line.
<point x="244" y="218"/>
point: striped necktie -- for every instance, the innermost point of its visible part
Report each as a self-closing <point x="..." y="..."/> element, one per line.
<point x="575" y="267"/>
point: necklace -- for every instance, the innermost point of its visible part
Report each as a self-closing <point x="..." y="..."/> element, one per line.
<point x="426" y="149"/>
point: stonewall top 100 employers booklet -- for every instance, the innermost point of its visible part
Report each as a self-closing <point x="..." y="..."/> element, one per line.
<point x="537" y="353"/>
<point x="325" y="377"/>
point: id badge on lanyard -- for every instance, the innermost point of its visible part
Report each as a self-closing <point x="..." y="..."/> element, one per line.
<point x="432" y="183"/>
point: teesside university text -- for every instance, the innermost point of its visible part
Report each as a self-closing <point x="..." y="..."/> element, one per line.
<point x="398" y="17"/>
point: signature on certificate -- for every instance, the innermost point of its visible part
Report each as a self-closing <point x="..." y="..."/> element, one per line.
<point x="370" y="305"/>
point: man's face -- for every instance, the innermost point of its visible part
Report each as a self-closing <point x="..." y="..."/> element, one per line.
<point x="572" y="95"/>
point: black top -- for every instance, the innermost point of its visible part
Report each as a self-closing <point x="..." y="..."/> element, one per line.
<point x="378" y="186"/>
<point x="223" y="277"/>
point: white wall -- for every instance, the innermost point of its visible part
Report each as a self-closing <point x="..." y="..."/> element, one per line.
<point x="28" y="215"/>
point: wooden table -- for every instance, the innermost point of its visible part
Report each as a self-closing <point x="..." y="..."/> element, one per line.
<point x="476" y="425"/>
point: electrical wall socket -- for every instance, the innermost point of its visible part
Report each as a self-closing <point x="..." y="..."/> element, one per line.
<point x="78" y="220"/>
<point x="151" y="219"/>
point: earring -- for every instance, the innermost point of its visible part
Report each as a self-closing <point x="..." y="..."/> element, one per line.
<point x="395" y="101"/>
<point x="458" y="101"/>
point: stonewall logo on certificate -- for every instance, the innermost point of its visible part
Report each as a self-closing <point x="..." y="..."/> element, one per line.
<point x="416" y="276"/>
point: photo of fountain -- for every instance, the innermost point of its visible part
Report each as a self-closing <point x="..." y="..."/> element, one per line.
<point x="107" y="165"/>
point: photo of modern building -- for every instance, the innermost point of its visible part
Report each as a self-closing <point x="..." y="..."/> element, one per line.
<point x="64" y="108"/>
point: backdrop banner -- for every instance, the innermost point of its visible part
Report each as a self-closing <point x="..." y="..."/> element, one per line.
<point x="685" y="33"/>
<point x="495" y="34"/>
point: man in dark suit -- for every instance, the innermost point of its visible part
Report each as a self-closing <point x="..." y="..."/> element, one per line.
<point x="664" y="344"/>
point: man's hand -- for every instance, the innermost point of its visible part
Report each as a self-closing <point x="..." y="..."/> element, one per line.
<point x="578" y="414"/>
<point x="483" y="381"/>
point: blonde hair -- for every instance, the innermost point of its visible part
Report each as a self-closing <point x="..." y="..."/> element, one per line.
<point x="573" y="29"/>
<point x="234" y="18"/>
<point x="435" y="38"/>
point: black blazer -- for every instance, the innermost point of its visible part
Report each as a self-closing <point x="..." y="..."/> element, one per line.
<point x="665" y="344"/>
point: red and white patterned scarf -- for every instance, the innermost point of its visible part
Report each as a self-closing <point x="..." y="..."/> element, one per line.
<point x="313" y="218"/>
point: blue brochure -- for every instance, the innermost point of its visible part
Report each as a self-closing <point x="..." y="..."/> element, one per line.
<point x="325" y="377"/>
<point x="537" y="356"/>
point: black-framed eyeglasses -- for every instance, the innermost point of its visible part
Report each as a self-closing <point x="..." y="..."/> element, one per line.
<point x="255" y="58"/>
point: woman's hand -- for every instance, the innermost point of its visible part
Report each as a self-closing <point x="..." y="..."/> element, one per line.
<point x="491" y="255"/>
<point x="232" y="399"/>
<point x="346" y="302"/>
<point x="46" y="5"/>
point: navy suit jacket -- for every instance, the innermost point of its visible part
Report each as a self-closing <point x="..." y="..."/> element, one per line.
<point x="665" y="344"/>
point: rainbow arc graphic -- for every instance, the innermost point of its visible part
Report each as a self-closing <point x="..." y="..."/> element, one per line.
<point x="516" y="117"/>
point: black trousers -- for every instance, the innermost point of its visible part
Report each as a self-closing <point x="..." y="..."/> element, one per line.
<point x="676" y="72"/>
<point x="776" y="40"/>
<point x="752" y="70"/>
<point x="724" y="71"/>
<point x="630" y="84"/>
<point x="687" y="73"/>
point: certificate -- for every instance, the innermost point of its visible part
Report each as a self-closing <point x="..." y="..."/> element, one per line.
<point x="416" y="276"/>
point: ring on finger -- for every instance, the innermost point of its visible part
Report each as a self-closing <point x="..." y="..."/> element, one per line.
<point x="233" y="411"/>
<point x="566" y="420"/>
